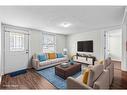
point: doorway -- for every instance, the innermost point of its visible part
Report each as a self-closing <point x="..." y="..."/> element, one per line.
<point x="16" y="50"/>
<point x="114" y="47"/>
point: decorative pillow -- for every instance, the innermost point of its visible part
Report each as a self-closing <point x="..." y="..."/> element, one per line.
<point x="85" y="76"/>
<point x="51" y="55"/>
<point x="60" y="55"/>
<point x="101" y="61"/>
<point x="42" y="57"/>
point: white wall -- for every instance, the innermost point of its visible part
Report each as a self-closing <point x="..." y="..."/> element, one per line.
<point x="35" y="40"/>
<point x="115" y="44"/>
<point x="61" y="42"/>
<point x="98" y="42"/>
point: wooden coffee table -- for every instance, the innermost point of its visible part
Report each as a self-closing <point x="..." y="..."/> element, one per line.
<point x="66" y="72"/>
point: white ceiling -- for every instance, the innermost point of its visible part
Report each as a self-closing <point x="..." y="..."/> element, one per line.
<point x="48" y="18"/>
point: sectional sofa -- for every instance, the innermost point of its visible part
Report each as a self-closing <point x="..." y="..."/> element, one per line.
<point x="100" y="77"/>
<point x="56" y="60"/>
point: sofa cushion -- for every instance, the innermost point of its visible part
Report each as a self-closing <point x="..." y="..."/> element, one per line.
<point x="103" y="81"/>
<point x="111" y="72"/>
<point x="97" y="70"/>
<point x="54" y="61"/>
<point x="60" y="55"/>
<point x="42" y="57"/>
<point x="44" y="63"/>
<point x="94" y="73"/>
<point x="51" y="55"/>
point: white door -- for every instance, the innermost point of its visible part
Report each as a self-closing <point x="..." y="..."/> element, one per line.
<point x="16" y="51"/>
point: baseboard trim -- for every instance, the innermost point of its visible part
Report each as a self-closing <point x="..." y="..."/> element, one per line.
<point x="116" y="61"/>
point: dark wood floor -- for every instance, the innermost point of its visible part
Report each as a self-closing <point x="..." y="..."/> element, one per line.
<point x="31" y="80"/>
<point x="120" y="80"/>
<point x="120" y="77"/>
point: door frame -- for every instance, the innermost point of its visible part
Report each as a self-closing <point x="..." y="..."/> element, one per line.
<point x="121" y="44"/>
<point x="3" y="25"/>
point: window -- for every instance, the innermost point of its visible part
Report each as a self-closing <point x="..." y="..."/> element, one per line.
<point x="49" y="43"/>
<point x="16" y="42"/>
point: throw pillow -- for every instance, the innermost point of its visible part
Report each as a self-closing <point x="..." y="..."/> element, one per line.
<point x="86" y="75"/>
<point x="42" y="57"/>
<point x="51" y="55"/>
<point x="60" y="55"/>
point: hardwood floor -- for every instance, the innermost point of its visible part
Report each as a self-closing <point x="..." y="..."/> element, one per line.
<point x="120" y="80"/>
<point x="120" y="77"/>
<point x="32" y="80"/>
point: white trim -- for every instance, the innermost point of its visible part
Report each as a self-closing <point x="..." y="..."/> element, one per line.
<point x="0" y="79"/>
<point x="124" y="52"/>
<point x="29" y="50"/>
<point x="124" y="39"/>
<point x="15" y="31"/>
<point x="2" y="48"/>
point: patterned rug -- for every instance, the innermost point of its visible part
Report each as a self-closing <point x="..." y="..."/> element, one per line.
<point x="57" y="81"/>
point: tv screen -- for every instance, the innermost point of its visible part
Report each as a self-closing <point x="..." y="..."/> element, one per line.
<point x="85" y="46"/>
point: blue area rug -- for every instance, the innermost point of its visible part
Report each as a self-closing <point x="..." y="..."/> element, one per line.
<point x="57" y="81"/>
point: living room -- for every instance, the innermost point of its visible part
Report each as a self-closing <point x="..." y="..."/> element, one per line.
<point x="42" y="48"/>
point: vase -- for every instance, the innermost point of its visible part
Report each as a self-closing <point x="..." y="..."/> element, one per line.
<point x="71" y="62"/>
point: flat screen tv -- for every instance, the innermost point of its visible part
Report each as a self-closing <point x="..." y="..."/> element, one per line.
<point x="85" y="46"/>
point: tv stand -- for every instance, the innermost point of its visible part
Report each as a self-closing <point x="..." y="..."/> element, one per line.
<point x="83" y="58"/>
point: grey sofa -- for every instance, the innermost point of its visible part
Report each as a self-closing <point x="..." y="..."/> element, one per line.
<point x="36" y="64"/>
<point x="108" y="65"/>
<point x="98" y="79"/>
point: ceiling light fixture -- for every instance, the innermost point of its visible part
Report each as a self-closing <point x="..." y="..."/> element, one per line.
<point x="65" y="24"/>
